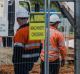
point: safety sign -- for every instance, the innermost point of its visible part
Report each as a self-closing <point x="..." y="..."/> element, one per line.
<point x="37" y="31"/>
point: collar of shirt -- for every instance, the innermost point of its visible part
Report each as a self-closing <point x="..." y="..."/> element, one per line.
<point x="52" y="27"/>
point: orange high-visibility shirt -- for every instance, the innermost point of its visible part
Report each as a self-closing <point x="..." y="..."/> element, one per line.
<point x="22" y="37"/>
<point x="56" y="46"/>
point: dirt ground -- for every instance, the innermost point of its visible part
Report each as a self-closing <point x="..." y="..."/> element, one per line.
<point x="8" y="69"/>
<point x="5" y="55"/>
<point x="6" y="66"/>
<point x="67" y="69"/>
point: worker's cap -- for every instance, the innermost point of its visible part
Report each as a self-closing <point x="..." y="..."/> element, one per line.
<point x="54" y="18"/>
<point x="22" y="12"/>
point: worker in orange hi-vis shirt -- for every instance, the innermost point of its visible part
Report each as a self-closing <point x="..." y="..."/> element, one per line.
<point x="25" y="52"/>
<point x="56" y="47"/>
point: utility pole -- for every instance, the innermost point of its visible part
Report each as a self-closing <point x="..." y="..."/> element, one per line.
<point x="77" y="37"/>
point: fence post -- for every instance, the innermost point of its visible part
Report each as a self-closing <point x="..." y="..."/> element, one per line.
<point x="77" y="37"/>
<point x="46" y="46"/>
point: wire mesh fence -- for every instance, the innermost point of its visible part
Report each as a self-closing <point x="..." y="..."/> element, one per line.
<point x="34" y="67"/>
<point x="7" y="67"/>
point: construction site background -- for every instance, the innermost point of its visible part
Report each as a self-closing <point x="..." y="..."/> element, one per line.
<point x="6" y="65"/>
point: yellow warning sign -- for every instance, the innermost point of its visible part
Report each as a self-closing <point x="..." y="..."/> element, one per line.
<point x="37" y="31"/>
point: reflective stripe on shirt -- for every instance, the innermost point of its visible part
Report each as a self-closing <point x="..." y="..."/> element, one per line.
<point x="30" y="55"/>
<point x="31" y="45"/>
<point x="27" y="45"/>
<point x="19" y="44"/>
<point x="54" y="56"/>
<point x="54" y="49"/>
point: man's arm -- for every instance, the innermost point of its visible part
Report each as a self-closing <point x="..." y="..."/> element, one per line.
<point x="62" y="48"/>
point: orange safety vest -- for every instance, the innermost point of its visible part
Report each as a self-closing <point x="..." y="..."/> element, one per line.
<point x="56" y="46"/>
<point x="21" y="39"/>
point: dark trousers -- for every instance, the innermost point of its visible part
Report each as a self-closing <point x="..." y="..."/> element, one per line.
<point x="23" y="68"/>
<point x="53" y="67"/>
<point x="23" y="65"/>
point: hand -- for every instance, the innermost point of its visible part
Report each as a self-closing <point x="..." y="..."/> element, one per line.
<point x="62" y="62"/>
